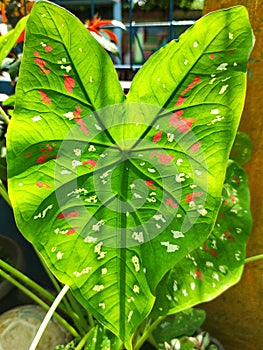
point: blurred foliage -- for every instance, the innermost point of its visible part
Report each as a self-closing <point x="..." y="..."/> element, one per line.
<point x="165" y="4"/>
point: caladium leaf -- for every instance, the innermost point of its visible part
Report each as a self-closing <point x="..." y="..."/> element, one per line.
<point x="8" y="41"/>
<point x="113" y="192"/>
<point x="183" y="323"/>
<point x="218" y="263"/>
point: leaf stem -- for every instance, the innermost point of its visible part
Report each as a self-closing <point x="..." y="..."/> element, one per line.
<point x="4" y="115"/>
<point x="48" y="317"/>
<point x="68" y="307"/>
<point x="254" y="258"/>
<point x="148" y="332"/>
<point x="3" y="193"/>
<point x="38" y="301"/>
<point x="82" y="342"/>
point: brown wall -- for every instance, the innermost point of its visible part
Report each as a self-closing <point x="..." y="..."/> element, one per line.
<point x="236" y="317"/>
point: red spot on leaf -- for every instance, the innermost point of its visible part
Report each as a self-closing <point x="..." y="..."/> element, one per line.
<point x="69" y="83"/>
<point x="198" y="274"/>
<point x="190" y="197"/>
<point x="180" y="101"/>
<point x="233" y="199"/>
<point x="28" y="155"/>
<point x="48" y="48"/>
<point x="231" y="51"/>
<point x="71" y="214"/>
<point x="212" y="251"/>
<point x="45" y="98"/>
<point x="90" y="162"/>
<point x="47" y="149"/>
<point x="181" y="97"/>
<point x="41" y="63"/>
<point x="162" y="158"/>
<point x="150" y="184"/>
<point x="41" y="159"/>
<point x="229" y="237"/>
<point x="212" y="56"/>
<point x="157" y="137"/>
<point x="71" y="231"/>
<point x="170" y="202"/>
<point x="40" y="184"/>
<point x="80" y="121"/>
<point x="194" y="148"/>
<point x="236" y="179"/>
<point x="183" y="125"/>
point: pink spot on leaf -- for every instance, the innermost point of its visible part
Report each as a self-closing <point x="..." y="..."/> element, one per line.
<point x="233" y="199"/>
<point x="71" y="214"/>
<point x="183" y="125"/>
<point x="190" y="197"/>
<point x="194" y="148"/>
<point x="157" y="137"/>
<point x="170" y="202"/>
<point x="198" y="274"/>
<point x="48" y="48"/>
<point x="69" y="83"/>
<point x="181" y="97"/>
<point x="40" y="184"/>
<point x="71" y="231"/>
<point x="41" y="63"/>
<point x="162" y="158"/>
<point x="150" y="184"/>
<point x="90" y="162"/>
<point x="212" y="56"/>
<point x="80" y="121"/>
<point x="180" y="101"/>
<point x="45" y="98"/>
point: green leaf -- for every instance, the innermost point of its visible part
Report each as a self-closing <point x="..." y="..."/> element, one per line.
<point x="113" y="192"/>
<point x="182" y="323"/>
<point x="242" y="148"/>
<point x="101" y="339"/>
<point x="218" y="263"/>
<point x="8" y="41"/>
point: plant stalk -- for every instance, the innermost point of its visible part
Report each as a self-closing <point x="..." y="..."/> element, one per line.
<point x="82" y="343"/>
<point x="4" y="115"/>
<point x="254" y="258"/>
<point x="3" y="193"/>
<point x="68" y="307"/>
<point x="19" y="275"/>
<point x="146" y="334"/>
<point x="38" y="301"/>
<point x="48" y="317"/>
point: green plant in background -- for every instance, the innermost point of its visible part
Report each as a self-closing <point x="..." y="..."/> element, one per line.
<point x="122" y="195"/>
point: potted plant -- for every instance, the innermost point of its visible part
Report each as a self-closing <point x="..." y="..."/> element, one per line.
<point x="130" y="200"/>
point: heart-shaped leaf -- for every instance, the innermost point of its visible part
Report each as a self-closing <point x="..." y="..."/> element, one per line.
<point x="113" y="192"/>
<point x="218" y="263"/>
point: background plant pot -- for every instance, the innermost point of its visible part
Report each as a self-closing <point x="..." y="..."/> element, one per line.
<point x="12" y="253"/>
<point x="18" y="327"/>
